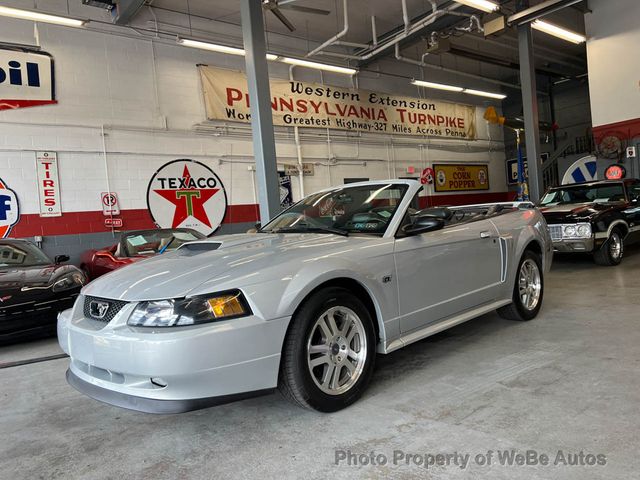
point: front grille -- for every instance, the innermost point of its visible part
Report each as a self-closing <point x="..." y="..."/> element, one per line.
<point x="556" y="232"/>
<point x="112" y="308"/>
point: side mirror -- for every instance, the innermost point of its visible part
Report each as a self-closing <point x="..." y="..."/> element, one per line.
<point x="61" y="259"/>
<point x="423" y="224"/>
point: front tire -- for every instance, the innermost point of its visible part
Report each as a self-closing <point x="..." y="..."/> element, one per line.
<point x="611" y="251"/>
<point x="329" y="352"/>
<point x="527" y="291"/>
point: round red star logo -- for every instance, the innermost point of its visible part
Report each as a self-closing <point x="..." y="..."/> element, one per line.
<point x="187" y="194"/>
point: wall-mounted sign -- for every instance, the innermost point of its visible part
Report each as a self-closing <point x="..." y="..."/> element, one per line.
<point x="308" y="169"/>
<point x="110" y="205"/>
<point x="584" y="169"/>
<point x="512" y="171"/>
<point x="512" y="168"/>
<point x="187" y="194"/>
<point x="314" y="105"/>
<point x="461" y="177"/>
<point x="286" y="196"/>
<point x="9" y="209"/>
<point x="26" y="78"/>
<point x="631" y="152"/>
<point x="48" y="184"/>
<point x="113" y="222"/>
<point x="426" y="177"/>
<point x="615" y="172"/>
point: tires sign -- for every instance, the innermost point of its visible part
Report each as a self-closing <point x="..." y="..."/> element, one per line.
<point x="187" y="194"/>
<point x="9" y="209"/>
<point x="48" y="184"/>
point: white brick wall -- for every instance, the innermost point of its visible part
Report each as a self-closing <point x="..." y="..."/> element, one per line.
<point x="107" y="80"/>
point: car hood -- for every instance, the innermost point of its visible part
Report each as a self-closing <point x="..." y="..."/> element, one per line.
<point x="576" y="212"/>
<point x="16" y="284"/>
<point x="227" y="261"/>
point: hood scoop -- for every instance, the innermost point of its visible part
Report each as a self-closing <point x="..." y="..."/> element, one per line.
<point x="195" y="248"/>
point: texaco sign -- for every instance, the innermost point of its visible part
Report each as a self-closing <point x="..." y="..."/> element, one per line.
<point x="187" y="194"/>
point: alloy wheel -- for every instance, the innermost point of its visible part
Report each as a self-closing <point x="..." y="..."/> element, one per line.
<point x="615" y="246"/>
<point x="337" y="350"/>
<point x="530" y="284"/>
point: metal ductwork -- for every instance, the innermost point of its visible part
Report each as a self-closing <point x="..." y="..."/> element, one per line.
<point x="122" y="11"/>
<point x="125" y="10"/>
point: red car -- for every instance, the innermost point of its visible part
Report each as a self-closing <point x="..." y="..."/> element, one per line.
<point x="134" y="246"/>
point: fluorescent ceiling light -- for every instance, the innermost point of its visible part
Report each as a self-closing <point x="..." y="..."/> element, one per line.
<point x="438" y="86"/>
<point x="559" y="32"/>
<point x="213" y="47"/>
<point x="480" y="93"/>
<point x="318" y="66"/>
<point x="40" y="17"/>
<point x="484" y="5"/>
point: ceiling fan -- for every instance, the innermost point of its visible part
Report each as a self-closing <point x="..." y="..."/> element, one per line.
<point x="274" y="7"/>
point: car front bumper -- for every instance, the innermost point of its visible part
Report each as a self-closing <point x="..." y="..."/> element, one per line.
<point x="574" y="245"/>
<point x="170" y="370"/>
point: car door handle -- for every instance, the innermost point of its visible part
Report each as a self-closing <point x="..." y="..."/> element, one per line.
<point x="485" y="234"/>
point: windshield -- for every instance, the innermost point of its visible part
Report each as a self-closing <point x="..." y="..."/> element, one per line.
<point x="584" y="194"/>
<point x="22" y="254"/>
<point x="361" y="209"/>
<point x="151" y="242"/>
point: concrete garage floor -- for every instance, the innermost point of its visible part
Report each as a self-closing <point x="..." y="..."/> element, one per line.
<point x="566" y="381"/>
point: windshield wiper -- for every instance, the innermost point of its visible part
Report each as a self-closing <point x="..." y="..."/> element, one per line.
<point x="335" y="231"/>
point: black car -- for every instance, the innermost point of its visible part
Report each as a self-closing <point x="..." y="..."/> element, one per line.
<point x="33" y="289"/>
<point x="598" y="217"/>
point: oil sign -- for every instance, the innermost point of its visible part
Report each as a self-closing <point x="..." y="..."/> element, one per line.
<point x="26" y="78"/>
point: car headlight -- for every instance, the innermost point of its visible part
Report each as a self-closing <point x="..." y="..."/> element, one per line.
<point x="190" y="311"/>
<point x="71" y="280"/>
<point x="569" y="231"/>
<point x="584" y="230"/>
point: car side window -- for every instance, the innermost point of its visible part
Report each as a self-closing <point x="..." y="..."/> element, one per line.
<point x="414" y="207"/>
<point x="634" y="191"/>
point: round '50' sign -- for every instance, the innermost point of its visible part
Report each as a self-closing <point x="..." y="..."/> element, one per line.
<point x="187" y="194"/>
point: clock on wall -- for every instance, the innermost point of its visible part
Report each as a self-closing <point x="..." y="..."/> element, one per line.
<point x="610" y="146"/>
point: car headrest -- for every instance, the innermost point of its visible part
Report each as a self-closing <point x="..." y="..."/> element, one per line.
<point x="438" y="212"/>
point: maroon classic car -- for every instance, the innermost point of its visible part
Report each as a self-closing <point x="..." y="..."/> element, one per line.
<point x="134" y="246"/>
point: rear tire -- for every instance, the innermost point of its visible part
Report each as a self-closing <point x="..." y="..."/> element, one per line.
<point x="329" y="352"/>
<point x="610" y="252"/>
<point x="527" y="291"/>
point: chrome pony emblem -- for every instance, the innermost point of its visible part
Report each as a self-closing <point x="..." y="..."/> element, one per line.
<point x="98" y="309"/>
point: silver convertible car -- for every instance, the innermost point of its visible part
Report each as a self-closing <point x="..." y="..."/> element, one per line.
<point x="305" y="303"/>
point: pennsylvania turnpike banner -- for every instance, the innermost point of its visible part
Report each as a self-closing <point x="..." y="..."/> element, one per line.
<point x="313" y="105"/>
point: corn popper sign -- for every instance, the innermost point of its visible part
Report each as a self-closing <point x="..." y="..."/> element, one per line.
<point x="305" y="104"/>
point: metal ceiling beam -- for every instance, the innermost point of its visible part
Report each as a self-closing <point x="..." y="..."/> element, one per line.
<point x="540" y="10"/>
<point x="264" y="144"/>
